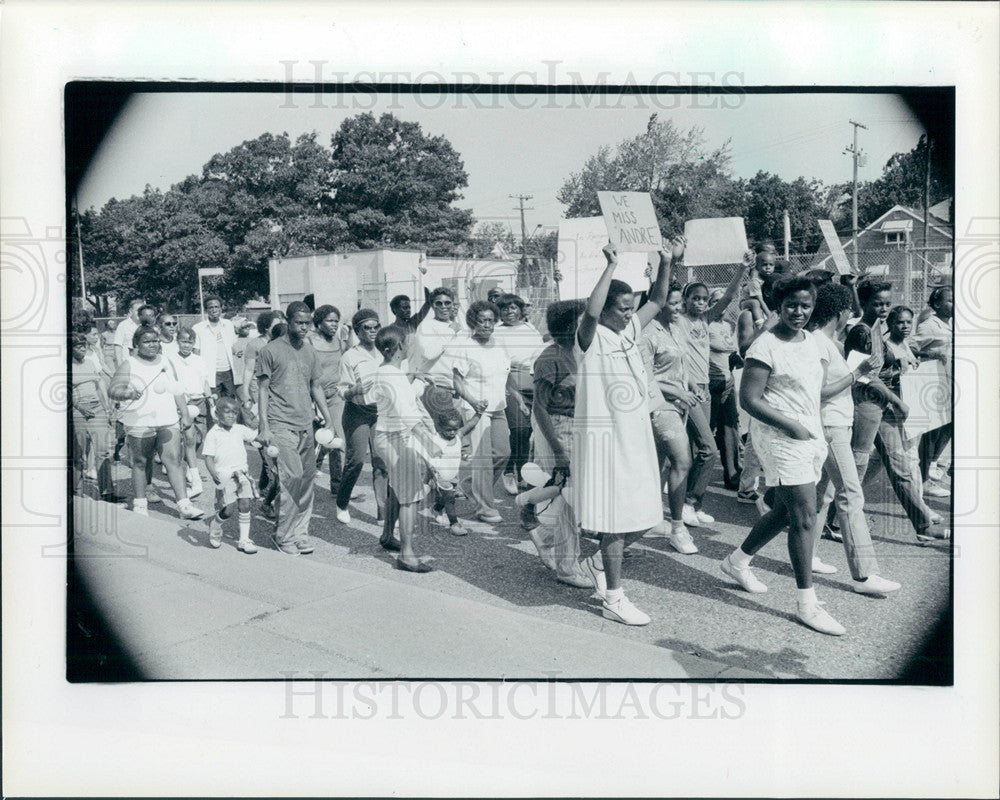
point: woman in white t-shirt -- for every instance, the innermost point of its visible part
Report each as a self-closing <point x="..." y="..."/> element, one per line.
<point x="481" y="374"/>
<point x="781" y="387"/>
<point x="840" y="474"/>
<point x="146" y="385"/>
<point x="523" y="343"/>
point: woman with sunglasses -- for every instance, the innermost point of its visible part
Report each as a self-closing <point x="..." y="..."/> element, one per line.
<point x="480" y="371"/>
<point x="167" y="325"/>
<point x="357" y="373"/>
<point x="434" y="334"/>
<point x="523" y="343"/>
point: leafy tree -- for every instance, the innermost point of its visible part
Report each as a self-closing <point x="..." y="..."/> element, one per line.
<point x="685" y="179"/>
<point x="768" y="197"/>
<point x="902" y="183"/>
<point x="395" y="186"/>
<point x="487" y="235"/>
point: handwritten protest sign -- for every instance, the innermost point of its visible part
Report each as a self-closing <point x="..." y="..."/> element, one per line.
<point x="714" y="241"/>
<point x="836" y="251"/>
<point x="631" y="221"/>
<point x="927" y="392"/>
<point x="581" y="261"/>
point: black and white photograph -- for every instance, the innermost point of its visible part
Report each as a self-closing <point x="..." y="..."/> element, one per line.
<point x="460" y="400"/>
<point x="351" y="343"/>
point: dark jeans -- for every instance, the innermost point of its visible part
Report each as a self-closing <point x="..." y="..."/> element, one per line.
<point x="520" y="435"/>
<point x="932" y="445"/>
<point x="359" y="425"/>
<point x="725" y="421"/>
<point x="703" y="450"/>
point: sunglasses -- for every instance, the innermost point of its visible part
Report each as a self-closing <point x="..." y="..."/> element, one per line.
<point x="370" y="327"/>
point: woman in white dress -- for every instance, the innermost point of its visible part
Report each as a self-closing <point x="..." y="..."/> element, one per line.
<point x="613" y="461"/>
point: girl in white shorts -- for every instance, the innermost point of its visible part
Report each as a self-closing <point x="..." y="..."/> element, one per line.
<point x="782" y="380"/>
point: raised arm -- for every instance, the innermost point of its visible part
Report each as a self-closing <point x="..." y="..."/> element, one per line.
<point x="716" y="311"/>
<point x="595" y="303"/>
<point x="417" y="318"/>
<point x="659" y="290"/>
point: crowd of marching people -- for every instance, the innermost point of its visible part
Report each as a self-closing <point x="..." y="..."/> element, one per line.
<point x="608" y="427"/>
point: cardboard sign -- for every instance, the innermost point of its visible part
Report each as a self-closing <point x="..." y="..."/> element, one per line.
<point x="714" y="241"/>
<point x="581" y="262"/>
<point x="927" y="392"/>
<point x="631" y="221"/>
<point x="836" y="250"/>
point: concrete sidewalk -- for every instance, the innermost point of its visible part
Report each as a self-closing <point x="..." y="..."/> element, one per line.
<point x="182" y="610"/>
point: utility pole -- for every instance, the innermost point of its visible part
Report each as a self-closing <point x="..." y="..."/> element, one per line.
<point x="855" y="157"/>
<point x="524" y="232"/>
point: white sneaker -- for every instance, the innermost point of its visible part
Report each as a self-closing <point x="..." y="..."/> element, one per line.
<point x="597" y="576"/>
<point x="152" y="496"/>
<point x="817" y="618"/>
<point x="194" y="480"/>
<point x="936" y="519"/>
<point x="703" y="518"/>
<point x="189" y="510"/>
<point x="623" y="611"/>
<point x="140" y="507"/>
<point x="744" y="577"/>
<point x="246" y="546"/>
<point x="442" y="520"/>
<point x="343" y="515"/>
<point x="875" y="585"/>
<point x="822" y="569"/>
<point x="935" y="473"/>
<point x="936" y="490"/>
<point x="680" y="539"/>
<point x="690" y="517"/>
<point x="90" y="474"/>
<point x="509" y="483"/>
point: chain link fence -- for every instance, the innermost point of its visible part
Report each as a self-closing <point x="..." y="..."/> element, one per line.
<point x="913" y="272"/>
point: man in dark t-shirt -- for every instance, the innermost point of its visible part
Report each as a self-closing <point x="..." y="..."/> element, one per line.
<point x="289" y="384"/>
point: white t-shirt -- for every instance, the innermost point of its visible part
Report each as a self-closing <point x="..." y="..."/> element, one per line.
<point x="444" y="456"/>
<point x="228" y="448"/>
<point x="397" y="400"/>
<point x="358" y="365"/>
<point x="484" y="367"/>
<point x="124" y="332"/>
<point x="169" y="349"/>
<point x="836" y="411"/>
<point x="796" y="378"/>
<point x="426" y="350"/>
<point x="192" y="373"/>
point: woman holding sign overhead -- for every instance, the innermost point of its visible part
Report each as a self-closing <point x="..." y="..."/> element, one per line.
<point x="613" y="459"/>
<point x="694" y="322"/>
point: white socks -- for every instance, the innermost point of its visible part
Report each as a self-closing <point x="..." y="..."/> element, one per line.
<point x="612" y="596"/>
<point x="677" y="525"/>
<point x="244" y="520"/>
<point x="739" y="559"/>
<point x="807" y="596"/>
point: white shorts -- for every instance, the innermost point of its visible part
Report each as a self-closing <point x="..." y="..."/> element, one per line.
<point x="234" y="487"/>
<point x="789" y="462"/>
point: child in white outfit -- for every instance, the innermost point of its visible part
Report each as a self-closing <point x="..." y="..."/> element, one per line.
<point x="552" y="497"/>
<point x="226" y="460"/>
<point x="442" y="450"/>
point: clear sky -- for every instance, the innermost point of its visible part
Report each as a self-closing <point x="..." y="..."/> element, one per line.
<point x="161" y="138"/>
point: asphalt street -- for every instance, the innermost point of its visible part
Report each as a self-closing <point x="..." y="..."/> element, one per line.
<point x="696" y="612"/>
